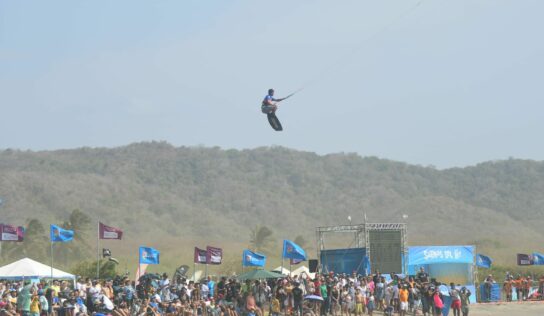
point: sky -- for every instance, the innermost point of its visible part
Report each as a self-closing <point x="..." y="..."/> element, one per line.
<point x="442" y="83"/>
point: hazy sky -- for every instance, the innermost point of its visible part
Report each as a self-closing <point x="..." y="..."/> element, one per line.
<point x="447" y="83"/>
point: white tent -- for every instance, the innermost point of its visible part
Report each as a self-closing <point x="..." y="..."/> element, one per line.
<point x="285" y="271"/>
<point x="303" y="269"/>
<point x="28" y="268"/>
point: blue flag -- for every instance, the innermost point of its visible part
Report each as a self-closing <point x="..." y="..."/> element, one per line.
<point x="149" y="255"/>
<point x="293" y="251"/>
<point x="253" y="259"/>
<point x="483" y="261"/>
<point x="538" y="259"/>
<point x="60" y="234"/>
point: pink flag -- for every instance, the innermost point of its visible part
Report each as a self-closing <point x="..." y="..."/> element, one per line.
<point x="295" y="261"/>
<point x="200" y="255"/>
<point x="11" y="233"/>
<point x="108" y="232"/>
<point x="214" y="255"/>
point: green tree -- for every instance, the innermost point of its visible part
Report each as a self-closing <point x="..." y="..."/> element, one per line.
<point x="79" y="222"/>
<point x="260" y="238"/>
<point x="36" y="241"/>
<point x="35" y="244"/>
<point x="87" y="269"/>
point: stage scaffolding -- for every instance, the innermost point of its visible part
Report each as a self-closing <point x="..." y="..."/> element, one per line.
<point x="379" y="251"/>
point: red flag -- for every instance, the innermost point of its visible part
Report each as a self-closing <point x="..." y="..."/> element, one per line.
<point x="525" y="259"/>
<point x="214" y="255"/>
<point x="295" y="261"/>
<point x="108" y="232"/>
<point x="11" y="233"/>
<point x="200" y="255"/>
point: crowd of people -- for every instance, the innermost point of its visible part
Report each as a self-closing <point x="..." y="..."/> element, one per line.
<point x="298" y="295"/>
<point x="521" y="286"/>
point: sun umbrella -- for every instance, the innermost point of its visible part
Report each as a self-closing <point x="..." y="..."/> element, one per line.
<point x="259" y="274"/>
<point x="313" y="298"/>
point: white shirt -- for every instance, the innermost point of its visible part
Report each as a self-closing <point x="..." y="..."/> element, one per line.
<point x="94" y="291"/>
<point x="107" y="302"/>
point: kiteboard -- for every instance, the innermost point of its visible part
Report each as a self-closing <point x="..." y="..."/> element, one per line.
<point x="274" y="122"/>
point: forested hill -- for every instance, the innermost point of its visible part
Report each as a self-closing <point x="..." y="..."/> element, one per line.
<point x="158" y="193"/>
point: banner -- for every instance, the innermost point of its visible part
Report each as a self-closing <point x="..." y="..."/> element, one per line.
<point x="60" y="234"/>
<point x="422" y="255"/>
<point x="293" y="251"/>
<point x="368" y="269"/>
<point x="538" y="259"/>
<point x="483" y="261"/>
<point x="149" y="255"/>
<point x="11" y="233"/>
<point x="200" y="255"/>
<point x="525" y="259"/>
<point x="253" y="259"/>
<point x="108" y="232"/>
<point x="214" y="255"/>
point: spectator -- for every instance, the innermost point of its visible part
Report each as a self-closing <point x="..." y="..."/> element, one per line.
<point x="488" y="285"/>
<point x="455" y="300"/>
<point x="465" y="300"/>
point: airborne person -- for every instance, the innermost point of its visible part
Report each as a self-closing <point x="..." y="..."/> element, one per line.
<point x="269" y="107"/>
<point x="270" y="103"/>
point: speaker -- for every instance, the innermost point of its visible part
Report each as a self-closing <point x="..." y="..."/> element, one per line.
<point x="312" y="265"/>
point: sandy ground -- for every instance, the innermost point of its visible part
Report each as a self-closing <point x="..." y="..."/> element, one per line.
<point x="507" y="309"/>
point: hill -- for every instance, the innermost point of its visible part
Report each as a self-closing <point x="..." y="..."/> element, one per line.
<point x="176" y="198"/>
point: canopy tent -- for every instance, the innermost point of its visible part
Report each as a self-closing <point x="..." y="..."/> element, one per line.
<point x="259" y="274"/>
<point x="445" y="263"/>
<point x="28" y="268"/>
<point x="281" y="270"/>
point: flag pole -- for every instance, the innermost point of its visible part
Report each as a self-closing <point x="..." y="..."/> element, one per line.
<point x="98" y="249"/>
<point x="282" y="253"/>
<point x="139" y="266"/>
<point x="290" y="267"/>
<point x="51" y="257"/>
<point x="206" y="270"/>
<point x="194" y="271"/>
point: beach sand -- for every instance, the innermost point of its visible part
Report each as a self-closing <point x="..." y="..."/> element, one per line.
<point x="507" y="309"/>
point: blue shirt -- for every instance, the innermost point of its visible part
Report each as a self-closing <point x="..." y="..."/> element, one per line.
<point x="268" y="98"/>
<point x="211" y="286"/>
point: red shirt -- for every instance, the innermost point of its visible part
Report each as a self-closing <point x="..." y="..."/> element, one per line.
<point x="317" y="285"/>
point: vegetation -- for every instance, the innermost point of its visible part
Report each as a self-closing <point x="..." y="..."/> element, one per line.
<point x="87" y="269"/>
<point x="175" y="198"/>
<point x="260" y="238"/>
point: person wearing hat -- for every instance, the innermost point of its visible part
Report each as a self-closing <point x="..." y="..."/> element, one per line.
<point x="507" y="288"/>
<point x="488" y="283"/>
